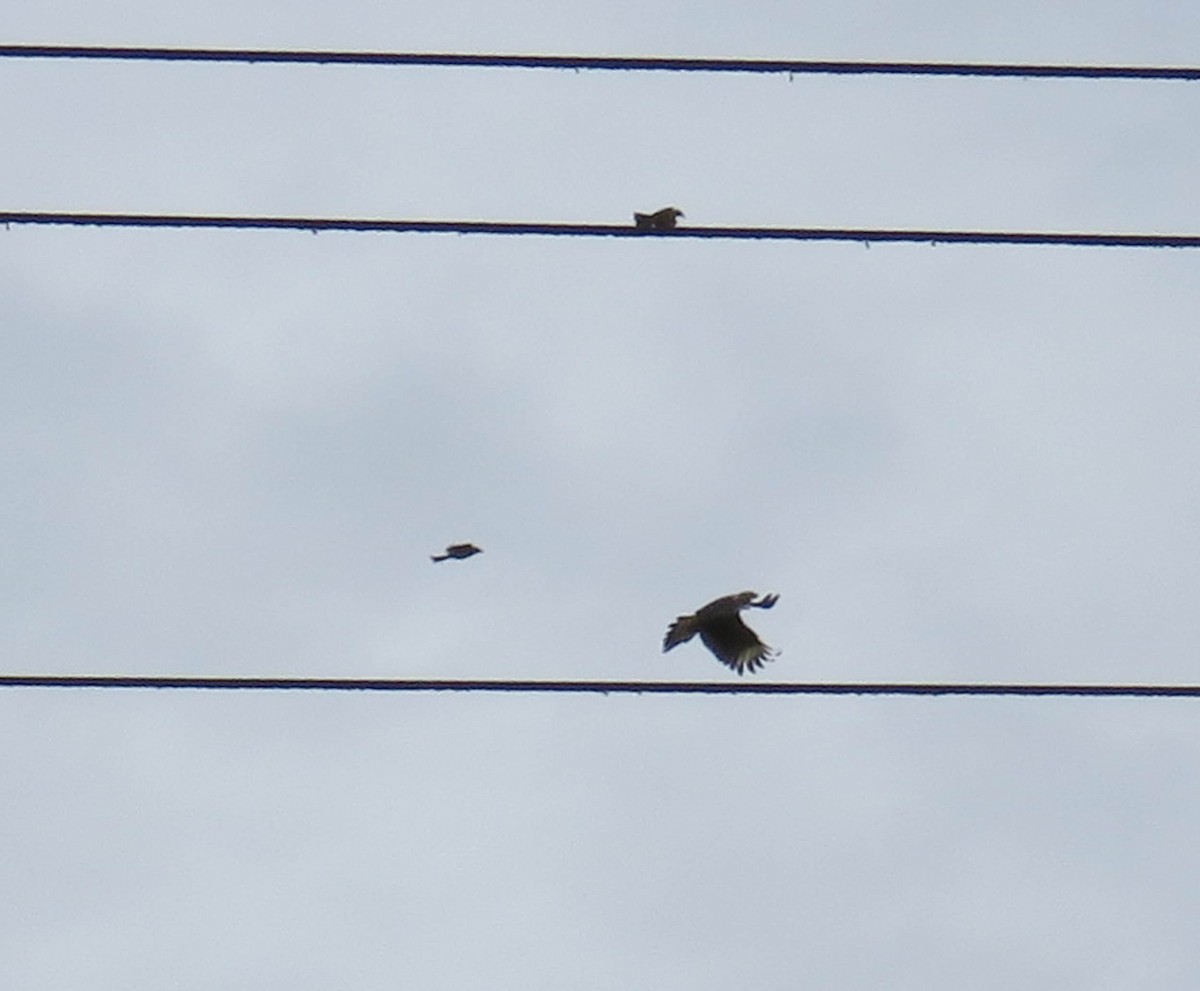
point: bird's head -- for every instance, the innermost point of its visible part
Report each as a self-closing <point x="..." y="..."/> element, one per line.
<point x="766" y="602"/>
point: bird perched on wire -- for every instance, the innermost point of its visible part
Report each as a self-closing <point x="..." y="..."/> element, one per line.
<point x="660" y="220"/>
<point x="458" y="551"/>
<point x="721" y="628"/>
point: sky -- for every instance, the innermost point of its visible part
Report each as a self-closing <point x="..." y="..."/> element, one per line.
<point x="232" y="453"/>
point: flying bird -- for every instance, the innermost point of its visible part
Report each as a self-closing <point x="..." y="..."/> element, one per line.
<point x="721" y="629"/>
<point x="458" y="551"/>
<point x="661" y="220"/>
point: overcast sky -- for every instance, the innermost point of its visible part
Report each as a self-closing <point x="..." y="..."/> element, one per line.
<point x="232" y="453"/>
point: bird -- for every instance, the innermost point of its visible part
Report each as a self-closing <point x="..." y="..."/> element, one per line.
<point x="661" y="220"/>
<point x="458" y="551"/>
<point x="721" y="629"/>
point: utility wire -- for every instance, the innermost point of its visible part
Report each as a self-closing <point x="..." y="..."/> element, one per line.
<point x="588" y="687"/>
<point x="626" y="63"/>
<point x="316" y="225"/>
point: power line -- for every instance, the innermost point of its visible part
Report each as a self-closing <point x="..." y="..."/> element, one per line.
<point x="362" y="225"/>
<point x="588" y="687"/>
<point x="621" y="63"/>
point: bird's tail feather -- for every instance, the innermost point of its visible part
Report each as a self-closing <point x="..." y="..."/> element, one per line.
<point x="681" y="631"/>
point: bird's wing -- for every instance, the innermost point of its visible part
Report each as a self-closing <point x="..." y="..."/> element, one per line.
<point x="735" y="644"/>
<point x="726" y="605"/>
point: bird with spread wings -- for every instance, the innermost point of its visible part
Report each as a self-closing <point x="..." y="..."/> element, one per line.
<point x="722" y="631"/>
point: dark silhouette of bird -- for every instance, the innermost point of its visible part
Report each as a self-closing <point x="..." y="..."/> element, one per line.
<point x="660" y="220"/>
<point x="721" y="629"/>
<point x="458" y="551"/>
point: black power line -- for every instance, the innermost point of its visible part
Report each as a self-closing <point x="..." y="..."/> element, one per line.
<point x="362" y="225"/>
<point x="626" y="63"/>
<point x="588" y="687"/>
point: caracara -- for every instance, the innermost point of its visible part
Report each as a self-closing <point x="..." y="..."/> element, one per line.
<point x="721" y="628"/>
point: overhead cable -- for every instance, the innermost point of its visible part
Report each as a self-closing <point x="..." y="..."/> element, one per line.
<point x="588" y="687"/>
<point x="317" y="225"/>
<point x="604" y="62"/>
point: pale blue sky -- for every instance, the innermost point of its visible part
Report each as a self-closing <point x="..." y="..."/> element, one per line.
<point x="232" y="453"/>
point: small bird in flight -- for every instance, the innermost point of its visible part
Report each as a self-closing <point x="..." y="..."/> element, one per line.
<point x="721" y="628"/>
<point x="661" y="220"/>
<point x="458" y="551"/>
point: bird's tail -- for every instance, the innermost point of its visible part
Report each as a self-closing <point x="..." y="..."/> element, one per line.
<point x="681" y="631"/>
<point x="444" y="557"/>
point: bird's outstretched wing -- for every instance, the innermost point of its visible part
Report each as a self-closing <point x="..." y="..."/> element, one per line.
<point x="736" y="645"/>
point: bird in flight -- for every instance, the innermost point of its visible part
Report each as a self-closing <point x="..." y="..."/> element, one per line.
<point x="721" y="629"/>
<point x="661" y="220"/>
<point x="458" y="551"/>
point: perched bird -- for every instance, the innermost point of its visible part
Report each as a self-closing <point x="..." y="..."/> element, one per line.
<point x="458" y="551"/>
<point x="721" y="628"/>
<point x="662" y="220"/>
